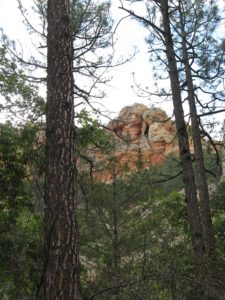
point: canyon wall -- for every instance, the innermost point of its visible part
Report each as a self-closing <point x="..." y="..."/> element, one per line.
<point x="141" y="137"/>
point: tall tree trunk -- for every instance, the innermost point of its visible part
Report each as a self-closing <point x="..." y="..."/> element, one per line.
<point x="115" y="241"/>
<point x="188" y="174"/>
<point x="61" y="277"/>
<point x="198" y="151"/>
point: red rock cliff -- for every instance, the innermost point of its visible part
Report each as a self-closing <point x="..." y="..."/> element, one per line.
<point x="142" y="136"/>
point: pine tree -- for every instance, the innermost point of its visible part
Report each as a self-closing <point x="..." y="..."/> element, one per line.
<point x="61" y="241"/>
<point x="177" y="45"/>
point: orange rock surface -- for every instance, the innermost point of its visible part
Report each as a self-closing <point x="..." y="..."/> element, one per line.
<point x="142" y="136"/>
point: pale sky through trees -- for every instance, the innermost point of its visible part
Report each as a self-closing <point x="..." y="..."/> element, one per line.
<point x="129" y="35"/>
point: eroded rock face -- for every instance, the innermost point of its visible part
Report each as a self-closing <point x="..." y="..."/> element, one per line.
<point x="129" y="122"/>
<point x="142" y="136"/>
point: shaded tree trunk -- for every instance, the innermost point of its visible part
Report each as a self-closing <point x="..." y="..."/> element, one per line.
<point x="115" y="241"/>
<point x="198" y="150"/>
<point x="61" y="277"/>
<point x="201" y="229"/>
<point x="185" y="155"/>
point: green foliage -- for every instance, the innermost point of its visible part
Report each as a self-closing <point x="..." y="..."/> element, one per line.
<point x="12" y="168"/>
<point x="169" y="175"/>
<point x="212" y="166"/>
<point x="91" y="23"/>
<point x="135" y="239"/>
<point x="20" y="226"/>
<point x="134" y="233"/>
<point x="91" y="133"/>
<point x="21" y="98"/>
<point x="218" y="206"/>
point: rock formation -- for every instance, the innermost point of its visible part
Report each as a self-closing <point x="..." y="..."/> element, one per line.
<point x="142" y="137"/>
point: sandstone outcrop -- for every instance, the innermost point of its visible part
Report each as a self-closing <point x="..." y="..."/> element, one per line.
<point x="142" y="137"/>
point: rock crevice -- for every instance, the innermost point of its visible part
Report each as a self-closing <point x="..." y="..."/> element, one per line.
<point x="142" y="136"/>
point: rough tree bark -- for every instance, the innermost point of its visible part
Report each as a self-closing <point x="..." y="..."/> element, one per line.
<point x="202" y="239"/>
<point x="198" y="150"/>
<point x="61" y="274"/>
<point x="185" y="155"/>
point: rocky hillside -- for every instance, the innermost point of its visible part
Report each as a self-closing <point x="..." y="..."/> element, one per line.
<point x="142" y="137"/>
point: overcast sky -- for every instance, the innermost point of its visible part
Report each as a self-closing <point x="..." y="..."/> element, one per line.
<point x="130" y="35"/>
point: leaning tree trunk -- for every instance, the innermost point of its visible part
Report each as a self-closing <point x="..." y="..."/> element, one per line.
<point x="61" y="274"/>
<point x="185" y="155"/>
<point x="198" y="151"/>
